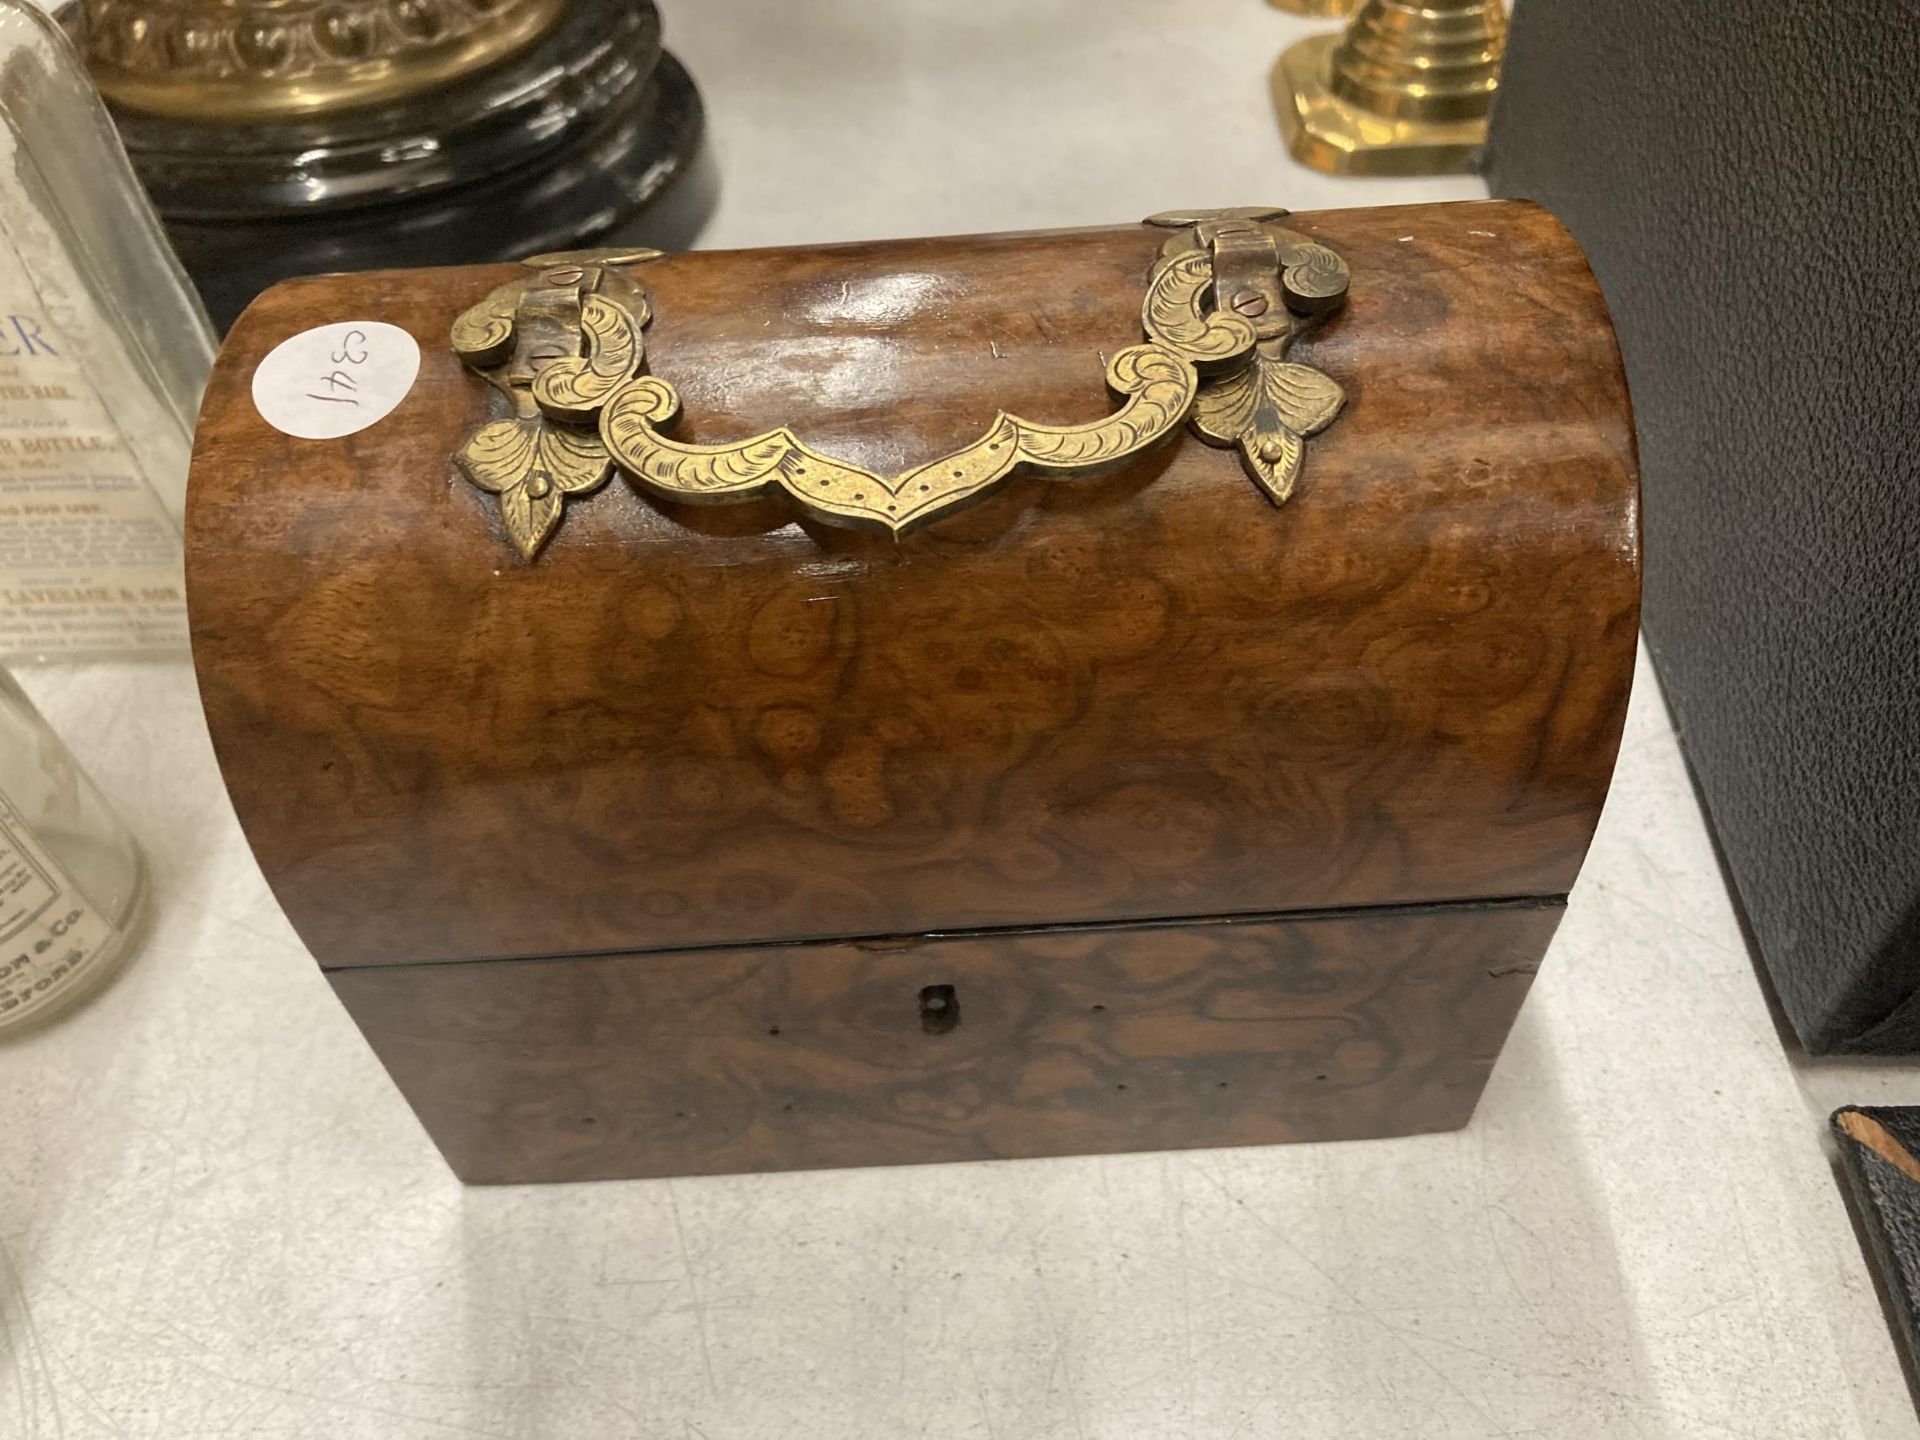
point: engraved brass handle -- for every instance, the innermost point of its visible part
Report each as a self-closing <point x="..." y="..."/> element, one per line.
<point x="565" y="344"/>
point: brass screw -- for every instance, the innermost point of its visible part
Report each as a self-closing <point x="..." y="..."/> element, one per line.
<point x="1249" y="303"/>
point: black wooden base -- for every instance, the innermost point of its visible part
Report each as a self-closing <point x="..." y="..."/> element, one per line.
<point x="590" y="137"/>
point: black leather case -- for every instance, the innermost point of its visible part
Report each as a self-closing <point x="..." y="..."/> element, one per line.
<point x="1743" y="175"/>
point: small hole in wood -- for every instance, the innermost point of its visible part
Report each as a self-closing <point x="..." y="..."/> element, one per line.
<point x="1120" y="1087"/>
<point x="773" y="1029"/>
<point x="1097" y="1008"/>
<point x="939" y="1009"/>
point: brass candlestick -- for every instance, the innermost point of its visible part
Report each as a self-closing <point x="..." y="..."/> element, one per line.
<point x="1404" y="90"/>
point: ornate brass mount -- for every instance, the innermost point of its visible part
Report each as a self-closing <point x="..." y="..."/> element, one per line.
<point x="557" y="342"/>
<point x="1404" y="90"/>
<point x="565" y="343"/>
<point x="1336" y="8"/>
<point x="1280" y="285"/>
<point x="249" y="60"/>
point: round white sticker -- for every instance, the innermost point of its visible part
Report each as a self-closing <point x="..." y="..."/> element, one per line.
<point x="334" y="380"/>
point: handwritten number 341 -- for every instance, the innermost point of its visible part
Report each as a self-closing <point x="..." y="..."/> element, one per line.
<point x="340" y="384"/>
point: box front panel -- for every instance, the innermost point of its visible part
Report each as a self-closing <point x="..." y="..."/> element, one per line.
<point x="966" y="1048"/>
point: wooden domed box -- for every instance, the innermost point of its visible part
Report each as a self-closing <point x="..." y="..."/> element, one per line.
<point x="1002" y="696"/>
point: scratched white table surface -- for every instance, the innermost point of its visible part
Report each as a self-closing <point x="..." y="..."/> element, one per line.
<point x="218" y="1218"/>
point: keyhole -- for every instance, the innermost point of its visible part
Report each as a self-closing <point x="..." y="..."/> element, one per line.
<point x="939" y="1009"/>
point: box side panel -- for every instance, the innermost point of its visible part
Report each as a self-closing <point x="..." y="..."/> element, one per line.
<point x="973" y="1048"/>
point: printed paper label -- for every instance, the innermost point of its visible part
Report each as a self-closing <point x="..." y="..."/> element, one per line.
<point x="89" y="558"/>
<point x="50" y="937"/>
<point x="335" y="380"/>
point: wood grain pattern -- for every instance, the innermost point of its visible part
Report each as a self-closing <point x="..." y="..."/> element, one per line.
<point x="1146" y="694"/>
<point x="806" y="1056"/>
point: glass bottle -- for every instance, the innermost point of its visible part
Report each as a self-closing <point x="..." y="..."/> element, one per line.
<point x="104" y="348"/>
<point x="73" y="884"/>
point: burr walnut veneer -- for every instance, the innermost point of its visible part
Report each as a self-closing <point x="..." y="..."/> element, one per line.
<point x="1120" y="812"/>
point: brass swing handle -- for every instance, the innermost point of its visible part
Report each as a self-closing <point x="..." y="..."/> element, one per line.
<point x="1227" y="296"/>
